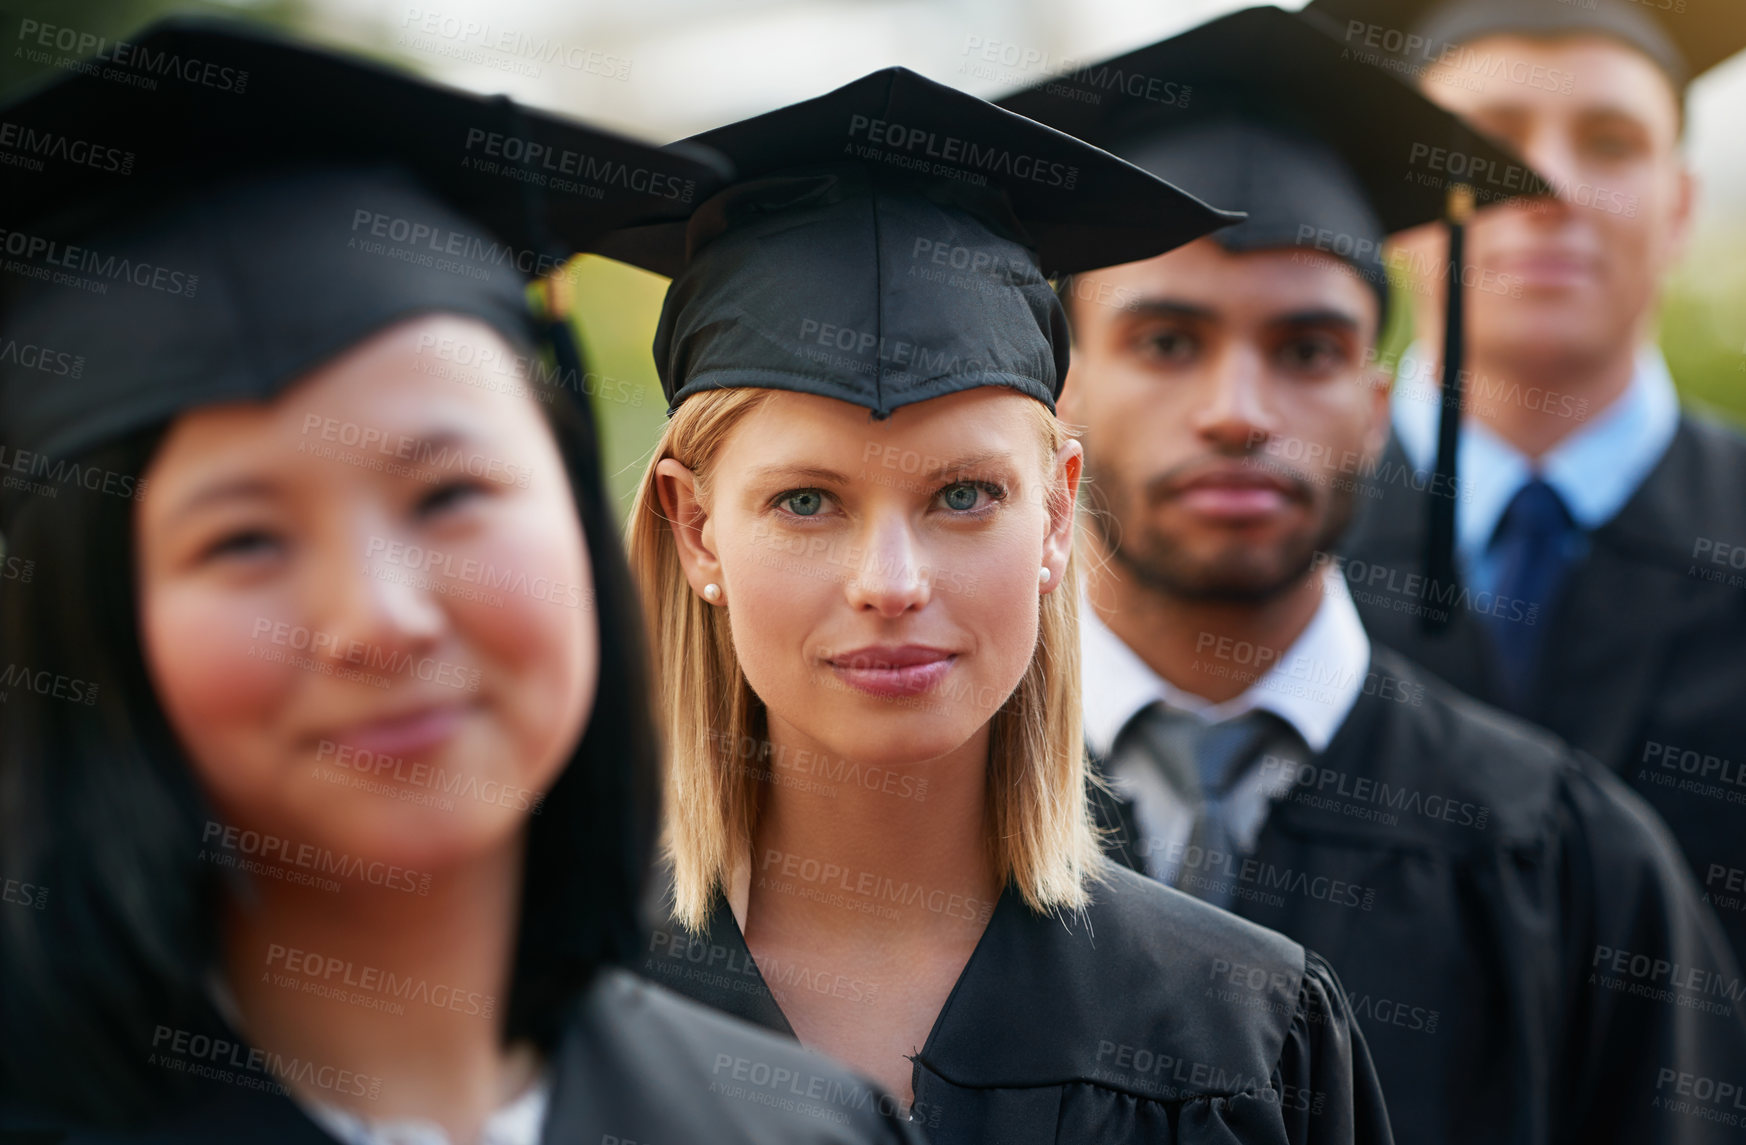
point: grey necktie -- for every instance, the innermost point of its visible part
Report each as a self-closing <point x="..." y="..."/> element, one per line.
<point x="1201" y="764"/>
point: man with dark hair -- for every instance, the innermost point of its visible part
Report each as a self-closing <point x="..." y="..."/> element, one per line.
<point x="1597" y="523"/>
<point x="1529" y="956"/>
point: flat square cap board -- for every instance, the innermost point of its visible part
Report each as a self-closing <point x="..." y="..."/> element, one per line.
<point x="891" y="241"/>
<point x="261" y="206"/>
<point x="1262" y="112"/>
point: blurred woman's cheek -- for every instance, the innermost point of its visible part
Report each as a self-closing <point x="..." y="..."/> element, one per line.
<point x="222" y="663"/>
<point x="520" y="594"/>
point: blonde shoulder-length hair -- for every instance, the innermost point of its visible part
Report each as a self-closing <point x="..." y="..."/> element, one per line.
<point x="1042" y="837"/>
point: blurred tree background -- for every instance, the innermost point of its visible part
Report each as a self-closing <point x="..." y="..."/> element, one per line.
<point x="1703" y="321"/>
<point x="687" y="77"/>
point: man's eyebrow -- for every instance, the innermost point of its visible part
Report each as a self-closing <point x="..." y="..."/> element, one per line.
<point x="1167" y="308"/>
<point x="1315" y="316"/>
<point x="1589" y="113"/>
<point x="1320" y="316"/>
<point x="1600" y="107"/>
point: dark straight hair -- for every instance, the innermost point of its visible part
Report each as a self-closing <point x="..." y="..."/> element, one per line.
<point x="101" y="817"/>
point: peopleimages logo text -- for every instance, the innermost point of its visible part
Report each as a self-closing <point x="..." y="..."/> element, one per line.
<point x="962" y="152"/>
<point x="593" y="170"/>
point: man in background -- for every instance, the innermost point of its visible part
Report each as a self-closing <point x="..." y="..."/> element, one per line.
<point x="1599" y="530"/>
<point x="1506" y="915"/>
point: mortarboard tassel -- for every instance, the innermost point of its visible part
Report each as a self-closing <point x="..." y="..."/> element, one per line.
<point x="1440" y="573"/>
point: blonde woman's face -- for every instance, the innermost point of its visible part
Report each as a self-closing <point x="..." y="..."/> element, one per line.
<point x="881" y="578"/>
<point x="366" y="607"/>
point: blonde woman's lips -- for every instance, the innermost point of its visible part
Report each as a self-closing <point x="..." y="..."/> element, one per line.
<point x="887" y="671"/>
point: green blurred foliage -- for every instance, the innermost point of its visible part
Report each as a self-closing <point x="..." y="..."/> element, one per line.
<point x="616" y="307"/>
<point x="1703" y="323"/>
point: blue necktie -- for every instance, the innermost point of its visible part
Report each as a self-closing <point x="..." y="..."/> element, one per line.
<point x="1533" y="547"/>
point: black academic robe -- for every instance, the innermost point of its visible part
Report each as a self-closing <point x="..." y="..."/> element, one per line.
<point x="636" y="1065"/>
<point x="1153" y="1018"/>
<point x="1645" y="656"/>
<point x="1526" y="953"/>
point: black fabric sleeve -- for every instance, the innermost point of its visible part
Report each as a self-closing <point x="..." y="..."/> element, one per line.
<point x="1326" y="1081"/>
<point x="1657" y="1036"/>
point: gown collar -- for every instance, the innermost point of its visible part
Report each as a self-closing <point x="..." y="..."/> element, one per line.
<point x="1062" y="999"/>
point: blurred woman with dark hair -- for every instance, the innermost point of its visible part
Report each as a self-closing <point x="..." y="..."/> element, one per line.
<point x="327" y="763"/>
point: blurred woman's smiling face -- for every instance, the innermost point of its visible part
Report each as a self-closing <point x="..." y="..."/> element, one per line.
<point x="881" y="578"/>
<point x="367" y="606"/>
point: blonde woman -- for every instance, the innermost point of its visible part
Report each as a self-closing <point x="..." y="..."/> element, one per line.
<point x="855" y="540"/>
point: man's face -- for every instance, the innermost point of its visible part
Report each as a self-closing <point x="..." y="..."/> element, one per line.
<point x="1228" y="412"/>
<point x="1588" y="263"/>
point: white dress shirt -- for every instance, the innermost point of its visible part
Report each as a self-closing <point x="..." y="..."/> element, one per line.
<point x="519" y="1122"/>
<point x="1312" y="687"/>
<point x="1594" y="470"/>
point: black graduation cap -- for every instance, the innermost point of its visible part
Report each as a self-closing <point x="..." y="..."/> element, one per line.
<point x="213" y="210"/>
<point x="1262" y="111"/>
<point x="1686" y="38"/>
<point x="890" y="242"/>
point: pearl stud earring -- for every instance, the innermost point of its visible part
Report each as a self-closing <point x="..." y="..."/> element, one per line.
<point x="1045" y="574"/>
<point x="712" y="593"/>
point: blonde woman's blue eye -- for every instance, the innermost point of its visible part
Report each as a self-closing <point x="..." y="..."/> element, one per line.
<point x="962" y="497"/>
<point x="804" y="503"/>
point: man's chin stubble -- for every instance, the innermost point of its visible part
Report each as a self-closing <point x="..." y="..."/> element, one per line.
<point x="1215" y="582"/>
<point x="1162" y="569"/>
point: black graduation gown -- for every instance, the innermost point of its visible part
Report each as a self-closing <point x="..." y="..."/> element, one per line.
<point x="636" y="1065"/>
<point x="1525" y="951"/>
<point x="1645" y="661"/>
<point x="1154" y="1018"/>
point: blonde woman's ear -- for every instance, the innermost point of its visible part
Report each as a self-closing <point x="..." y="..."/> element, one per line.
<point x="688" y="519"/>
<point x="1058" y="542"/>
